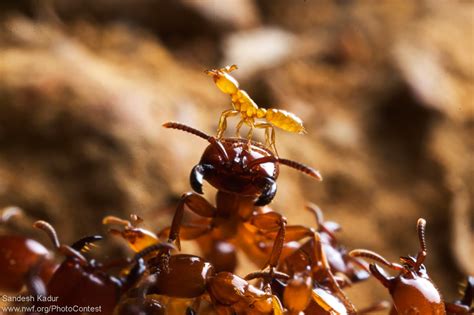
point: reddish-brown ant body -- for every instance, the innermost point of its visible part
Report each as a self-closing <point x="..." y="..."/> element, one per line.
<point x="80" y="281"/>
<point x="185" y="276"/>
<point x="21" y="256"/>
<point x="341" y="263"/>
<point x="313" y="285"/>
<point x="244" y="173"/>
<point x="412" y="290"/>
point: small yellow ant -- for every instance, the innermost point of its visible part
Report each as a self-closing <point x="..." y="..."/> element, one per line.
<point x="242" y="104"/>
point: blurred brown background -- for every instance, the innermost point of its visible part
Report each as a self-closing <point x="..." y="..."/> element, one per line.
<point x="385" y="89"/>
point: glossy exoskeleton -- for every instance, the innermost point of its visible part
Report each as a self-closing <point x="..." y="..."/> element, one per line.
<point x="312" y="288"/>
<point x="185" y="276"/>
<point x="244" y="173"/>
<point x="412" y="290"/>
<point x="21" y="257"/>
<point x="80" y="281"/>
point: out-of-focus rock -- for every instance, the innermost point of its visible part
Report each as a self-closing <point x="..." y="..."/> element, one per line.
<point x="259" y="49"/>
<point x="452" y="145"/>
<point x="435" y="59"/>
<point x="81" y="135"/>
<point x="192" y="29"/>
<point x="236" y="14"/>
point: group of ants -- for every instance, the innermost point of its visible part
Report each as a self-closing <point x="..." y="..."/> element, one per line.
<point x="304" y="269"/>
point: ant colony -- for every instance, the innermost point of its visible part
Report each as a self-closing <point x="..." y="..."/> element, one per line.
<point x="304" y="269"/>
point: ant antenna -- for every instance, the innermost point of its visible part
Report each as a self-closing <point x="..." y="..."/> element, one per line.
<point x="318" y="214"/>
<point x="183" y="127"/>
<point x="110" y="219"/>
<point x="50" y="231"/>
<point x="153" y="248"/>
<point x="420" y="227"/>
<point x="302" y="168"/>
<point x="267" y="275"/>
<point x="53" y="236"/>
<point x="296" y="165"/>
<point x="212" y="140"/>
<point x="364" y="253"/>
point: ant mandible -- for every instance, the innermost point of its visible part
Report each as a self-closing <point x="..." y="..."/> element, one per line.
<point x="81" y="281"/>
<point x="249" y="111"/>
<point x="245" y="178"/>
<point x="413" y="291"/>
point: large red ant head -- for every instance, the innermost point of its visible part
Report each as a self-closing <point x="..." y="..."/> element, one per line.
<point x="233" y="165"/>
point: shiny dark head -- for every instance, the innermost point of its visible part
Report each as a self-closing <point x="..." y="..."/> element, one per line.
<point x="239" y="166"/>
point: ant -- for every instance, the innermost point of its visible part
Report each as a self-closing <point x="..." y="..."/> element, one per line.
<point x="184" y="276"/>
<point x="249" y="111"/>
<point x="21" y="257"/>
<point x="341" y="263"/>
<point x="80" y="281"/>
<point x="412" y="290"/>
<point x="312" y="284"/>
<point x="319" y="269"/>
<point x="245" y="178"/>
<point x="138" y="238"/>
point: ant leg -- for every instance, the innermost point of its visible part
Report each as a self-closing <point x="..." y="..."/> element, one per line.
<point x="320" y="261"/>
<point x="196" y="204"/>
<point x="267" y="128"/>
<point x="188" y="231"/>
<point x="250" y="133"/>
<point x="293" y="233"/>
<point x="270" y="221"/>
<point x="134" y="274"/>
<point x="273" y="145"/>
<point x="223" y="121"/>
<point x="239" y="125"/>
<point x="463" y="306"/>
<point x="269" y="136"/>
<point x="452" y="308"/>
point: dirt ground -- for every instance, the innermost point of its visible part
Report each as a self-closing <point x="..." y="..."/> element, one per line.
<point x="385" y="91"/>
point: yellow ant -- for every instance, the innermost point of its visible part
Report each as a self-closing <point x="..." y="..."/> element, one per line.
<point x="242" y="104"/>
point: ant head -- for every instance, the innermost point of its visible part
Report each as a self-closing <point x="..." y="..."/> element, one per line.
<point x="234" y="165"/>
<point x="410" y="267"/>
<point x="136" y="237"/>
<point x="224" y="81"/>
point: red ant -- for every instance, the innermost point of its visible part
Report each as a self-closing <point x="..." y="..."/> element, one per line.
<point x="244" y="173"/>
<point x="412" y="290"/>
<point x="185" y="276"/>
<point x="349" y="269"/>
<point x="21" y="257"/>
<point x="82" y="282"/>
